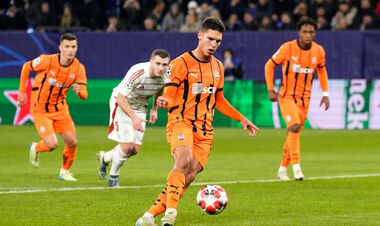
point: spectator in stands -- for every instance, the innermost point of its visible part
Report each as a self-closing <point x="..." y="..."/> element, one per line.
<point x="193" y="9"/>
<point x="220" y="6"/>
<point x="158" y="11"/>
<point x="233" y="67"/>
<point x="321" y="8"/>
<point x="237" y="7"/>
<point x="282" y="6"/>
<point x="286" y="22"/>
<point x="264" y="8"/>
<point x="366" y="17"/>
<point x="344" y="11"/>
<point x="150" y="24"/>
<point x="90" y="15"/>
<point x="233" y="23"/>
<point x="113" y="24"/>
<point x="17" y="20"/>
<point x="131" y="14"/>
<point x="192" y="24"/>
<point x="174" y="19"/>
<point x="265" y="24"/>
<point x="300" y="11"/>
<point x="46" y="16"/>
<point x="322" y="23"/>
<point x="208" y="10"/>
<point x="377" y="11"/>
<point x="67" y="18"/>
<point x="249" y="23"/>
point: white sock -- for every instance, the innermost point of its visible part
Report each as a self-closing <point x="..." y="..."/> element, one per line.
<point x="146" y="214"/>
<point x="296" y="167"/>
<point x="109" y="154"/>
<point x="283" y="168"/>
<point x="63" y="171"/>
<point x="119" y="157"/>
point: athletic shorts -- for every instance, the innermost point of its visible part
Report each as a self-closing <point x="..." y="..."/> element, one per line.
<point x="291" y="112"/>
<point x="181" y="133"/>
<point x="48" y="123"/>
<point x="121" y="127"/>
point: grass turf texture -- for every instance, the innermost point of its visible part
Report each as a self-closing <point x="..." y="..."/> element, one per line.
<point x="235" y="156"/>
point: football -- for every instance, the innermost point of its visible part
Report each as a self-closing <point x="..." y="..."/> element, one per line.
<point x="212" y="199"/>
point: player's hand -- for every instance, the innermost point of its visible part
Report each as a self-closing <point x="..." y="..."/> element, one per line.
<point x="137" y="123"/>
<point x="326" y="101"/>
<point x="76" y="88"/>
<point x="273" y="96"/>
<point x="152" y="116"/>
<point x="21" y="99"/>
<point x="162" y="102"/>
<point x="248" y="125"/>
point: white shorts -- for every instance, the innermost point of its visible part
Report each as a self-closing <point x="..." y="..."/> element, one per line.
<point x="121" y="128"/>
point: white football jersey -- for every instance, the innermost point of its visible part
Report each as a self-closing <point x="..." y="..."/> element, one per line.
<point x="138" y="86"/>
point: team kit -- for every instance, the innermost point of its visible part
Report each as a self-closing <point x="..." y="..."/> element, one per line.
<point x="190" y="87"/>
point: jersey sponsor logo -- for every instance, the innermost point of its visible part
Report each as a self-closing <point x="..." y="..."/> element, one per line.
<point x="209" y="90"/>
<point x="181" y="137"/>
<point x="197" y="88"/>
<point x="57" y="84"/>
<point x="298" y="69"/>
<point x="36" y="62"/>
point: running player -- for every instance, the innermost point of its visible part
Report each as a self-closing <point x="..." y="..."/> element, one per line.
<point x="194" y="91"/>
<point x="300" y="59"/>
<point x="55" y="75"/>
<point x="128" y="105"/>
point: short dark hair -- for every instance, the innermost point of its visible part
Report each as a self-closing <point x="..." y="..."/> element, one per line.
<point x="68" y="36"/>
<point x="308" y="21"/>
<point x="161" y="53"/>
<point x="213" y="23"/>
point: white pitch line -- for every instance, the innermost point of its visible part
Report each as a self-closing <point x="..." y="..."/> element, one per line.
<point x="31" y="190"/>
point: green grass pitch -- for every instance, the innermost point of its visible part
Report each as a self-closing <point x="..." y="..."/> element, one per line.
<point x="234" y="157"/>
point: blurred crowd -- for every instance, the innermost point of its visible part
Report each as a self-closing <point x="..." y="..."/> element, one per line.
<point x="185" y="15"/>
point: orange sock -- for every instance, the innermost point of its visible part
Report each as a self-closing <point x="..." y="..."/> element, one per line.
<point x="175" y="184"/>
<point x="68" y="157"/>
<point x="41" y="146"/>
<point x="159" y="206"/>
<point x="286" y="155"/>
<point x="294" y="147"/>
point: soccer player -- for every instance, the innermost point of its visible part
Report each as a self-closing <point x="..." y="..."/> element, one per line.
<point x="128" y="105"/>
<point x="300" y="59"/>
<point x="55" y="75"/>
<point x="194" y="91"/>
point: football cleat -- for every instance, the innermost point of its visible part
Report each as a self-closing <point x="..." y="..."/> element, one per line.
<point x="298" y="174"/>
<point x="169" y="218"/>
<point x="282" y="175"/>
<point x="102" y="169"/>
<point x="113" y="181"/>
<point x="67" y="177"/>
<point x="33" y="155"/>
<point x="146" y="221"/>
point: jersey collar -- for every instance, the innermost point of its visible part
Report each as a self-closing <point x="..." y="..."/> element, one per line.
<point x="191" y="54"/>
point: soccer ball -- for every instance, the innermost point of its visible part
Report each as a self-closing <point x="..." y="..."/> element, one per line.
<point x="212" y="199"/>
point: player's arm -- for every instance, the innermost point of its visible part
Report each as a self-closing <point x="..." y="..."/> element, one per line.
<point x="323" y="80"/>
<point x="153" y="115"/>
<point x="226" y="108"/>
<point x="80" y="87"/>
<point x="25" y="71"/>
<point x="122" y="102"/>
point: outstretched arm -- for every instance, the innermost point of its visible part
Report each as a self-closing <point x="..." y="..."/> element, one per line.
<point x="226" y="108"/>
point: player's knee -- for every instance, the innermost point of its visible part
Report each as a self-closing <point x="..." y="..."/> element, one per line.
<point x="133" y="150"/>
<point x="294" y="128"/>
<point x="72" y="143"/>
<point x="52" y="145"/>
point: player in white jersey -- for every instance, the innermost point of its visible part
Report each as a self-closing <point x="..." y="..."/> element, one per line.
<point x="128" y="105"/>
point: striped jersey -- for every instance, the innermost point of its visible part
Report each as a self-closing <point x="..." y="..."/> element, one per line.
<point x="53" y="81"/>
<point x="298" y="67"/>
<point x="197" y="85"/>
<point x="138" y="86"/>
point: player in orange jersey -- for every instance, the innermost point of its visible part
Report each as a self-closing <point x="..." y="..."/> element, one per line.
<point x="194" y="91"/>
<point x="55" y="75"/>
<point x="300" y="59"/>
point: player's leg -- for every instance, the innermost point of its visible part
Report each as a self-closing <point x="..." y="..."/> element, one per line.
<point x="290" y="113"/>
<point x="282" y="171"/>
<point x="104" y="159"/>
<point x="48" y="142"/>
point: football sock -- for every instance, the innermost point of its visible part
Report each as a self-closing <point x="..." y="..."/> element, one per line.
<point x="109" y="154"/>
<point x="63" y="171"/>
<point x="282" y="168"/>
<point x="41" y="146"/>
<point x="286" y="154"/>
<point x="175" y="184"/>
<point x="294" y="147"/>
<point x="159" y="206"/>
<point x="118" y="159"/>
<point x="68" y="157"/>
<point x="296" y="167"/>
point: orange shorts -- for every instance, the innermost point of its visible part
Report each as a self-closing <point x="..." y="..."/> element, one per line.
<point x="181" y="133"/>
<point x="291" y="112"/>
<point x="55" y="122"/>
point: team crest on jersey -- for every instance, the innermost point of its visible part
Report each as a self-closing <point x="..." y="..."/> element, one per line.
<point x="216" y="74"/>
<point x="314" y="60"/>
<point x="181" y="136"/>
<point x="72" y="76"/>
